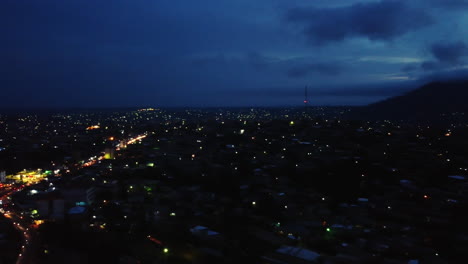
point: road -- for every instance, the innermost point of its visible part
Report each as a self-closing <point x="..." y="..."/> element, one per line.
<point x="29" y="246"/>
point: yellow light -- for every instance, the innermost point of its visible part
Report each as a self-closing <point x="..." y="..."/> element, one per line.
<point x="38" y="222"/>
<point x="166" y="250"/>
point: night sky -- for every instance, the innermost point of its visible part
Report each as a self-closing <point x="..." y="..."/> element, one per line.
<point x="121" y="53"/>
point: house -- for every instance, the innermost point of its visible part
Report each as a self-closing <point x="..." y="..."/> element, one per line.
<point x="292" y="255"/>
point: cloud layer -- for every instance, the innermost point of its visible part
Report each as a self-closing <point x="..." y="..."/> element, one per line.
<point x="384" y="20"/>
<point x="164" y="52"/>
<point x="446" y="55"/>
<point x="304" y="70"/>
<point x="450" y="53"/>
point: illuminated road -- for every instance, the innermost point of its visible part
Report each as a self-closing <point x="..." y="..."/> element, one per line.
<point x="29" y="177"/>
<point x="20" y="223"/>
<point x="29" y="247"/>
<point x="93" y="160"/>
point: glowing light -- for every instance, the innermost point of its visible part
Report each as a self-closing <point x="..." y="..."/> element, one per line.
<point x="154" y="240"/>
<point x="166" y="250"/>
<point x="38" y="222"/>
<point x="93" y="127"/>
<point x="328" y="229"/>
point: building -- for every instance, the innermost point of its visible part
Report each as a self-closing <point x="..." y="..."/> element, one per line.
<point x="2" y="176"/>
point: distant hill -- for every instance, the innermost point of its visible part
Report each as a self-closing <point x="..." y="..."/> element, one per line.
<point x="433" y="101"/>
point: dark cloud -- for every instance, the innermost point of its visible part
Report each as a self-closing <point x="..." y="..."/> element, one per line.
<point x="258" y="61"/>
<point x="384" y="20"/>
<point x="446" y="55"/>
<point x="450" y="53"/>
<point x="216" y="60"/>
<point x="301" y="71"/>
<point x="410" y="67"/>
<point x="431" y="66"/>
<point x="92" y="53"/>
<point x="448" y="3"/>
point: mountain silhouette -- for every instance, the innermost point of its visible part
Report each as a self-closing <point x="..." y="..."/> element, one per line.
<point x="433" y="101"/>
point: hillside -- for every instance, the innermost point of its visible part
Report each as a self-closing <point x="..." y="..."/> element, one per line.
<point x="432" y="101"/>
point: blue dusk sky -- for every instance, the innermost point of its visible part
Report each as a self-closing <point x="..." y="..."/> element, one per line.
<point x="162" y="53"/>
